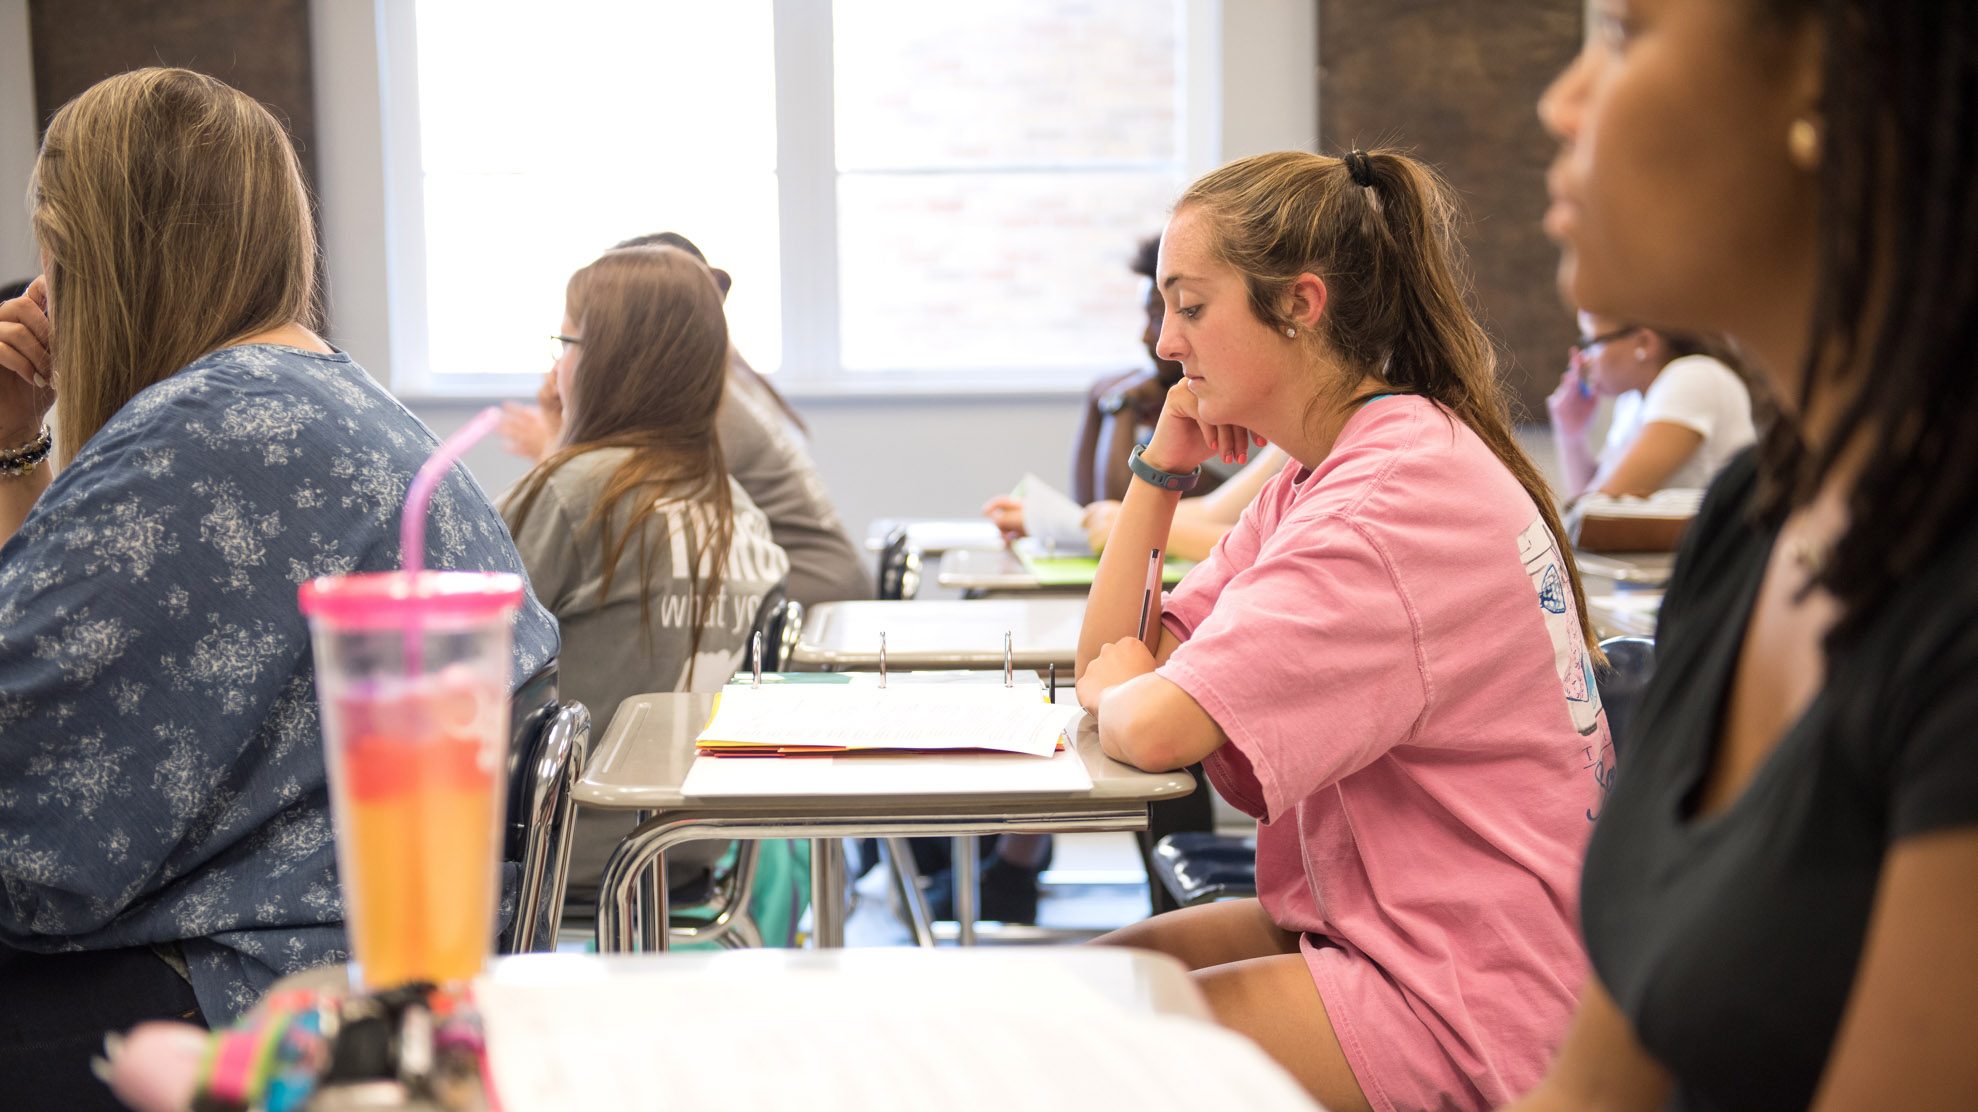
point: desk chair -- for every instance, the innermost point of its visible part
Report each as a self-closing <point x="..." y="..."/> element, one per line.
<point x="899" y="566"/>
<point x="1630" y="665"/>
<point x="1198" y="868"/>
<point x="548" y="741"/>
<point x="780" y="620"/>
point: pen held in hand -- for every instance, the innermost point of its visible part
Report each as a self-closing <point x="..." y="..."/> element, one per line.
<point x="1147" y="596"/>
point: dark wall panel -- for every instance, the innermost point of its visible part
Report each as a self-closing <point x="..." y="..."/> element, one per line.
<point x="1457" y="82"/>
<point x="258" y="46"/>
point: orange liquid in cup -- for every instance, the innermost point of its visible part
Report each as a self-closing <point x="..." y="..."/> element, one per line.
<point x="419" y="869"/>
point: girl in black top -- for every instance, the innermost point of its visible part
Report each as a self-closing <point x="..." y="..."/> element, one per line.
<point x="1780" y="897"/>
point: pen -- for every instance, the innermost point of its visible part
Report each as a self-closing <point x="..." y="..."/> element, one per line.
<point x="882" y="658"/>
<point x="1009" y="662"/>
<point x="1153" y="584"/>
<point x="757" y="682"/>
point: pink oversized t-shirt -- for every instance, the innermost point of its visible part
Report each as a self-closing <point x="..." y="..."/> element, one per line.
<point x="1390" y="642"/>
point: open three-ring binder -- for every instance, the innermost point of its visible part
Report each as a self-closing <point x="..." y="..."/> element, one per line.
<point x="928" y="734"/>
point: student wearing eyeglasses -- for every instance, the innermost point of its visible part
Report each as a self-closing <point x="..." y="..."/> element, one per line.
<point x="1680" y="409"/>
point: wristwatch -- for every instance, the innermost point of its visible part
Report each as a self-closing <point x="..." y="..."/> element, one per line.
<point x="1167" y="480"/>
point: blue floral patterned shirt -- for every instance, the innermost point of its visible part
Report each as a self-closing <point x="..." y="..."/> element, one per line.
<point x="161" y="768"/>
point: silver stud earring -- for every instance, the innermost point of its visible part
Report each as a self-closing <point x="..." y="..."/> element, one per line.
<point x="1291" y="332"/>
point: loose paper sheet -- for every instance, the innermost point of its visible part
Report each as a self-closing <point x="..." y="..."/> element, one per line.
<point x="886" y="774"/>
<point x="1052" y="518"/>
<point x="903" y="716"/>
<point x="832" y="1041"/>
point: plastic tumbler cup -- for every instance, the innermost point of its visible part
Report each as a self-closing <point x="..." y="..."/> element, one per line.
<point x="412" y="676"/>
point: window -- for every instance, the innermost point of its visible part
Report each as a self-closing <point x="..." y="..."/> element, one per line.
<point x="908" y="195"/>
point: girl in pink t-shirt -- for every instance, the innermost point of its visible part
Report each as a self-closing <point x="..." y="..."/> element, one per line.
<point x="1385" y="662"/>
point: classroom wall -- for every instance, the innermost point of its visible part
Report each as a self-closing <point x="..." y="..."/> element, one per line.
<point x="17" y="141"/>
<point x="1457" y="83"/>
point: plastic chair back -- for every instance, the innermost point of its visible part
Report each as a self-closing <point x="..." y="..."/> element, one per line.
<point x="548" y="742"/>
<point x="1630" y="665"/>
<point x="899" y="566"/>
<point x="780" y="620"/>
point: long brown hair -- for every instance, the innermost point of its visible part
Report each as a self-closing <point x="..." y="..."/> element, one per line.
<point x="1396" y="282"/>
<point x="741" y="365"/>
<point x="175" y="221"/>
<point x="654" y="358"/>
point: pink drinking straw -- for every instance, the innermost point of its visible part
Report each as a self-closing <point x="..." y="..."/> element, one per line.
<point x="412" y="525"/>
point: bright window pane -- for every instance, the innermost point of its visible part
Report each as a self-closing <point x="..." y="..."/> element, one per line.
<point x="995" y="271"/>
<point x="997" y="166"/>
<point x="1015" y="83"/>
<point x="547" y="135"/>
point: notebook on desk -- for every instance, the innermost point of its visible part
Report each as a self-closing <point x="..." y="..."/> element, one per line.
<point x="905" y="738"/>
<point x="1055" y="569"/>
<point x="960" y="1035"/>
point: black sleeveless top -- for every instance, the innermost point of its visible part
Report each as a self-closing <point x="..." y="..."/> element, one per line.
<point x="1730" y="942"/>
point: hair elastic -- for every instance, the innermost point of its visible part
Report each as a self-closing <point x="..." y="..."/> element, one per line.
<point x="1360" y="167"/>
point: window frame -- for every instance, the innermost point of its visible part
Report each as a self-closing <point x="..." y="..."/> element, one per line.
<point x="807" y="181"/>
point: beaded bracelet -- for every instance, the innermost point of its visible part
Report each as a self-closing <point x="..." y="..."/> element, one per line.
<point x="24" y="459"/>
<point x="424" y="1043"/>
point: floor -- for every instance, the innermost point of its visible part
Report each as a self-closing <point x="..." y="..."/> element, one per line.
<point x="1095" y="884"/>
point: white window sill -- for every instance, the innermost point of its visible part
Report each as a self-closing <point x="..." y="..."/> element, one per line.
<point x="846" y="389"/>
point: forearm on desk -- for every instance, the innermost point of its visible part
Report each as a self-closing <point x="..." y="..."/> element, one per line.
<point x="1112" y="610"/>
<point x="1151" y="723"/>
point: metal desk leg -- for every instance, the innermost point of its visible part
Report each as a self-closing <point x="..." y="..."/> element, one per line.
<point x="967" y="885"/>
<point x="618" y="895"/>
<point x="652" y="910"/>
<point x="906" y="881"/>
<point x="827" y="893"/>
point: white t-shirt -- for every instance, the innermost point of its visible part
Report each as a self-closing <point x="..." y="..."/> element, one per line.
<point x="1697" y="393"/>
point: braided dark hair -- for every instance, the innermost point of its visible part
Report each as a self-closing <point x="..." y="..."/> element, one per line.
<point x="1895" y="322"/>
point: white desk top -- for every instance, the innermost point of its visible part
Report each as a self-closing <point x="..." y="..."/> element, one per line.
<point x="643" y="757"/>
<point x="1648" y="569"/>
<point x="933" y="536"/>
<point x="940" y="633"/>
<point x="986" y="569"/>
<point x="1624" y="613"/>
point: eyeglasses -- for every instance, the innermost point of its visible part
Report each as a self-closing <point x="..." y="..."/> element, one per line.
<point x="1590" y="345"/>
<point x="564" y="344"/>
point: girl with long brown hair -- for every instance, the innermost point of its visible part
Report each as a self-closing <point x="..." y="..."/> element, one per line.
<point x="650" y="555"/>
<point x="165" y="844"/>
<point x="1386" y="661"/>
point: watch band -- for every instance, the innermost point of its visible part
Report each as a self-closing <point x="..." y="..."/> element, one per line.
<point x="1167" y="480"/>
